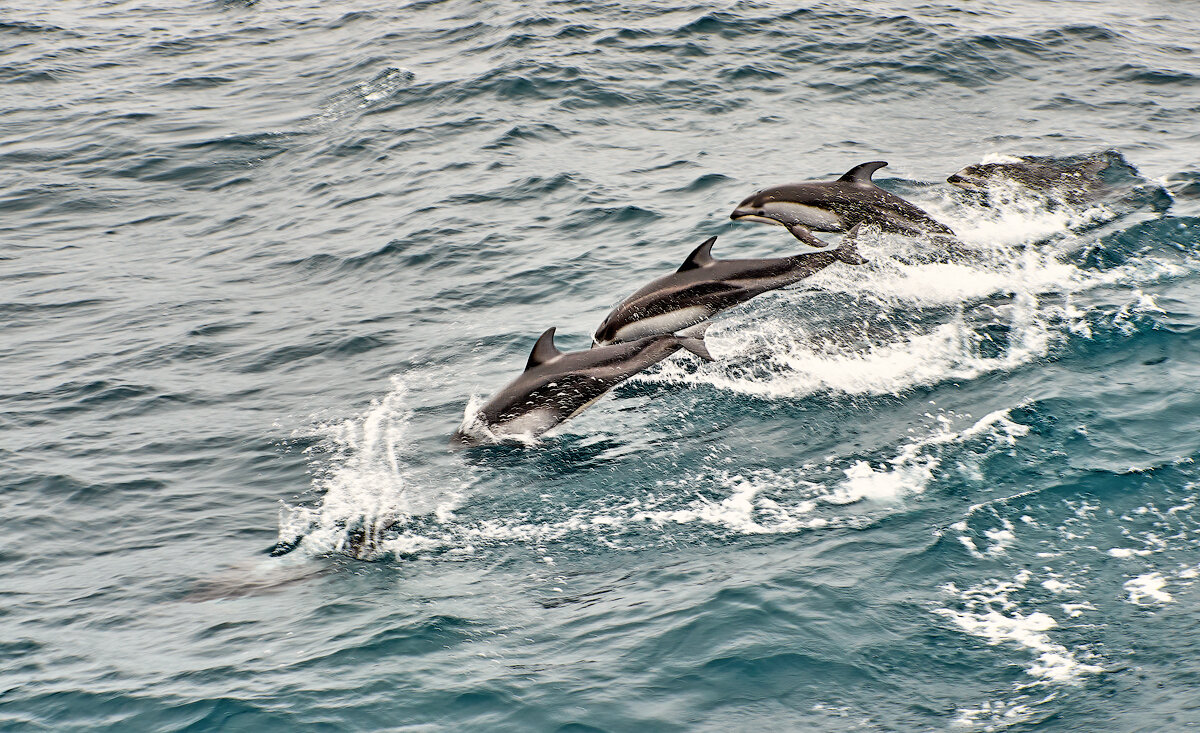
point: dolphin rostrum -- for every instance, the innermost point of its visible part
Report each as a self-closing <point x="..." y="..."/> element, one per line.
<point x="836" y="206"/>
<point x="556" y="386"/>
<point x="704" y="286"/>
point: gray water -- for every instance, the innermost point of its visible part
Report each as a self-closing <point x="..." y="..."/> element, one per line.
<point x="259" y="259"/>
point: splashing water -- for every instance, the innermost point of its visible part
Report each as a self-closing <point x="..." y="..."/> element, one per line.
<point x="369" y="483"/>
<point x="902" y="321"/>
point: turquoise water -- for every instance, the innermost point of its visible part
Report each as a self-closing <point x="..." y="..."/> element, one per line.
<point x="259" y="258"/>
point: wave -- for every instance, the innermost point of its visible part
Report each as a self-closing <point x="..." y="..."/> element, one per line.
<point x="1013" y="297"/>
<point x="375" y="498"/>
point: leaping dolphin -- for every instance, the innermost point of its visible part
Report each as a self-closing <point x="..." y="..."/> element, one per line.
<point x="704" y="286"/>
<point x="836" y="206"/>
<point x="557" y="386"/>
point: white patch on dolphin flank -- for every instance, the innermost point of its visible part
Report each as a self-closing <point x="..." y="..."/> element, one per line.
<point x="666" y="323"/>
<point x="534" y="422"/>
<point x="812" y="217"/>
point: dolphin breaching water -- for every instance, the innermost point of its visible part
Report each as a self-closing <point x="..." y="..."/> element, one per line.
<point x="557" y="386"/>
<point x="704" y="286"/>
<point x="1082" y="181"/>
<point x="1074" y="180"/>
<point x="1101" y="177"/>
<point x="837" y="206"/>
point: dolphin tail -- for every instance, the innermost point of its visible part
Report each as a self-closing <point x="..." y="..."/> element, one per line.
<point x="847" y="251"/>
<point x="696" y="331"/>
<point x="694" y="341"/>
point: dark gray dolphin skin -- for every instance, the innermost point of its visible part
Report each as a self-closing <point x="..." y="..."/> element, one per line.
<point x="836" y="206"/>
<point x="703" y="286"/>
<point x="556" y="386"/>
<point x="1074" y="181"/>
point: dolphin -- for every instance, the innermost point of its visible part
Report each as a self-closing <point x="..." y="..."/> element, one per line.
<point x="836" y="206"/>
<point x="557" y="386"/>
<point x="1073" y="181"/>
<point x="704" y="286"/>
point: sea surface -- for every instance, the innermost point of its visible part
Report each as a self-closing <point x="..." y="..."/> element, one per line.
<point x="258" y="260"/>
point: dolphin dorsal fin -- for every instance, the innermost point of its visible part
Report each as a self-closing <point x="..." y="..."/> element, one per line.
<point x="700" y="257"/>
<point x="861" y="174"/>
<point x="544" y="350"/>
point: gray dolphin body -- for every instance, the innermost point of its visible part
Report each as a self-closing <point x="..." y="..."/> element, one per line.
<point x="556" y="386"/>
<point x="836" y="206"/>
<point x="703" y="286"/>
<point x="1073" y="181"/>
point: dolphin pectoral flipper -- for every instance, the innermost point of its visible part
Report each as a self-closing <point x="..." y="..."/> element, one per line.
<point x="861" y="173"/>
<point x="804" y="234"/>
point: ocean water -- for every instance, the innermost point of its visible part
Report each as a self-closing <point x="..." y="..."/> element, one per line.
<point x="259" y="258"/>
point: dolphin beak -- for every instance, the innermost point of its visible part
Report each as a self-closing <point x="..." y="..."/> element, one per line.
<point x="741" y="211"/>
<point x="965" y="183"/>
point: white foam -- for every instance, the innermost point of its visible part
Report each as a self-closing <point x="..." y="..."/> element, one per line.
<point x="372" y="484"/>
<point x="1056" y="585"/>
<point x="995" y="157"/>
<point x="737" y="511"/>
<point x="918" y="323"/>
<point x="1074" y="610"/>
<point x="1001" y="539"/>
<point x="746" y="509"/>
<point x="885" y="484"/>
<point x="368" y="484"/>
<point x="1148" y="588"/>
<point x="1126" y="552"/>
<point x="775" y="501"/>
<point x="988" y="612"/>
<point x="996" y="714"/>
<point x="1016" y="215"/>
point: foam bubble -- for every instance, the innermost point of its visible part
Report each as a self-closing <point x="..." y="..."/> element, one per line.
<point x="864" y="482"/>
<point x="1126" y="552"/>
<point x="996" y="714"/>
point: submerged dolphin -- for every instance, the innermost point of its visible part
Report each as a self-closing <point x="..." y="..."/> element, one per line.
<point x="1074" y="181"/>
<point x="704" y="286"/>
<point x="557" y="386"/>
<point x="836" y="206"/>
